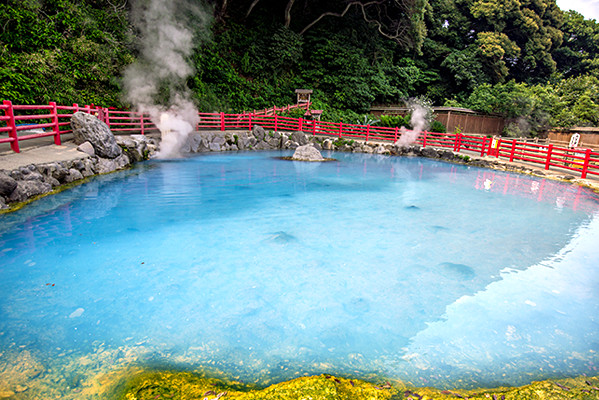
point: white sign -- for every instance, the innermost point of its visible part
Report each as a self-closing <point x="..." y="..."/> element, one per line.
<point x="574" y="140"/>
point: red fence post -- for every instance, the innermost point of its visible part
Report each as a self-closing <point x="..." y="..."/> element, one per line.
<point x="548" y="159"/>
<point x="301" y="124"/>
<point x="396" y="132"/>
<point x="459" y="135"/>
<point x="141" y="123"/>
<point x="424" y="140"/>
<point x="56" y="127"/>
<point x="222" y="121"/>
<point x="276" y="123"/>
<point x="585" y="166"/>
<point x="250" y="121"/>
<point x="513" y="150"/>
<point x="14" y="145"/>
<point x="482" y="147"/>
<point x="314" y="128"/>
<point x="498" y="149"/>
<point x="340" y="129"/>
<point x="455" y="142"/>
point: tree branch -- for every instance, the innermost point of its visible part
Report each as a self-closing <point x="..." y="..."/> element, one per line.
<point x="398" y="33"/>
<point x="288" y="13"/>
<point x="251" y="7"/>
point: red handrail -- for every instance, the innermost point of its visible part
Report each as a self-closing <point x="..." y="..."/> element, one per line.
<point x="39" y="117"/>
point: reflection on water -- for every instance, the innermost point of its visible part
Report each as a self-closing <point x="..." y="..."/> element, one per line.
<point x="258" y="267"/>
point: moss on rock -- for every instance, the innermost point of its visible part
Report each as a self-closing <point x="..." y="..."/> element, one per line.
<point x="188" y="386"/>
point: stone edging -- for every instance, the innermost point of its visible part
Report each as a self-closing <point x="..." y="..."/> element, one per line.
<point x="26" y="183"/>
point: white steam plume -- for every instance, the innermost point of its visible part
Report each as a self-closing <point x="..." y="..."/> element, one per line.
<point x="419" y="123"/>
<point x="156" y="83"/>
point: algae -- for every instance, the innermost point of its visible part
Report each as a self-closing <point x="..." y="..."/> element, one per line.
<point x="186" y="386"/>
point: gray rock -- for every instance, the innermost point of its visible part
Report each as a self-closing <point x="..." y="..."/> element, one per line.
<point x="60" y="173"/>
<point x="74" y="175"/>
<point x="215" y="147"/>
<point x="87" y="148"/>
<point x="89" y="169"/>
<point x="380" y="150"/>
<point x="7" y="184"/>
<point x="290" y="144"/>
<point x="105" y="165"/>
<point x="258" y="132"/>
<point x="87" y="127"/>
<point x="300" y="138"/>
<point x="219" y="140"/>
<point x="307" y="153"/>
<point x="194" y="141"/>
<point x="262" y="146"/>
<point x="136" y="147"/>
<point x="274" y="142"/>
<point x="327" y="144"/>
<point x="28" y="189"/>
<point x="317" y="146"/>
<point x="78" y="164"/>
<point x="430" y="152"/>
<point x="33" y="176"/>
<point x="16" y="174"/>
<point x="52" y="181"/>
<point x="3" y="205"/>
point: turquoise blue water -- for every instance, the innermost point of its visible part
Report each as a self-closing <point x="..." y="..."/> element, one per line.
<point x="267" y="269"/>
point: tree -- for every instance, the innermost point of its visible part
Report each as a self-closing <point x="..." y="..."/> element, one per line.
<point x="490" y="41"/>
<point x="399" y="20"/>
<point x="579" y="52"/>
<point x="63" y="51"/>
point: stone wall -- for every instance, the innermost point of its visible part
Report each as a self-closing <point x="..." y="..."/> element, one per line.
<point x="25" y="183"/>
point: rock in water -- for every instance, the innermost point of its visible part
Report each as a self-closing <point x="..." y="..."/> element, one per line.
<point x="307" y="153"/>
<point x="87" y="127"/>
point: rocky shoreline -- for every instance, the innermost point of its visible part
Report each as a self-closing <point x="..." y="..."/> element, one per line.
<point x="21" y="185"/>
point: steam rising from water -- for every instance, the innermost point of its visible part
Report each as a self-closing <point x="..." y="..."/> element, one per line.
<point x="419" y="123"/>
<point x="156" y="83"/>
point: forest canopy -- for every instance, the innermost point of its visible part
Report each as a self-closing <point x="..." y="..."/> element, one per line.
<point x="526" y="60"/>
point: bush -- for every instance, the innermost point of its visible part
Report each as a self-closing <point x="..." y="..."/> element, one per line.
<point x="438" y="127"/>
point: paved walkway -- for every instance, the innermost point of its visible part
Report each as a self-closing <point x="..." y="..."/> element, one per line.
<point x="39" y="155"/>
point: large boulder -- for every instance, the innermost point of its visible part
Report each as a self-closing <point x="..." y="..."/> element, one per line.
<point x="307" y="153"/>
<point x="88" y="128"/>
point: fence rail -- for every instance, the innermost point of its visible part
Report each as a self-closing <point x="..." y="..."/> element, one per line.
<point x="23" y="122"/>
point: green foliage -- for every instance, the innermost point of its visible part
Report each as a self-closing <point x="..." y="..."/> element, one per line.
<point x="527" y="61"/>
<point x="393" y="121"/>
<point x="438" y="127"/>
<point x="62" y="51"/>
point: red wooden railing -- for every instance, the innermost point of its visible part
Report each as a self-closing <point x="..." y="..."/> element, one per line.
<point x="57" y="120"/>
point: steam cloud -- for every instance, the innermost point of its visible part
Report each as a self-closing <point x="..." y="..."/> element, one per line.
<point x="156" y="83"/>
<point x="419" y="123"/>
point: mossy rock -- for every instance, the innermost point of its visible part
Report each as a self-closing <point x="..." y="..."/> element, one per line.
<point x="188" y="386"/>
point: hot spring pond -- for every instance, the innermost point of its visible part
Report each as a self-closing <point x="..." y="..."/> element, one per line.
<point x="265" y="270"/>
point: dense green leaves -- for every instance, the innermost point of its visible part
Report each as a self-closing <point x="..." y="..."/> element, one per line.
<point x="63" y="51"/>
<point x="523" y="59"/>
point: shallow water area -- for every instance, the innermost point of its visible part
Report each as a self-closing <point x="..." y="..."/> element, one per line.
<point x="267" y="269"/>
